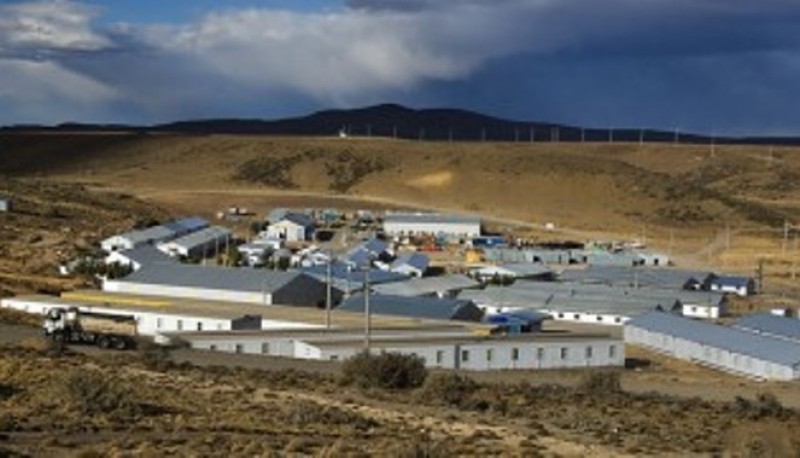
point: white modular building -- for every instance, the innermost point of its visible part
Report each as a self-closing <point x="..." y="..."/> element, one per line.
<point x="153" y="235"/>
<point x="741" y="286"/>
<point x="200" y="245"/>
<point x="515" y="270"/>
<point x="437" y="349"/>
<point x="5" y="205"/>
<point x="435" y="224"/>
<point x="728" y="349"/>
<point x="225" y="284"/>
<point x="292" y="227"/>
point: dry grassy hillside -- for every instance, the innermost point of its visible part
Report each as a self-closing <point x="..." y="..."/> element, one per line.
<point x="678" y="197"/>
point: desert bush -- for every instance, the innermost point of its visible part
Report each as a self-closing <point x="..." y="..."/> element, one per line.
<point x="391" y="371"/>
<point x="765" y="405"/>
<point x="155" y="357"/>
<point x="95" y="394"/>
<point x="448" y="389"/>
<point x="307" y="412"/>
<point x="602" y="382"/>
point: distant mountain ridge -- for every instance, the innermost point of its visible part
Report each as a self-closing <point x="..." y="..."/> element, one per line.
<point x="396" y="121"/>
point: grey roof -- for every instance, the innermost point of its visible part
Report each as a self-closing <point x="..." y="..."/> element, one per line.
<point x="345" y="279"/>
<point x="731" y="280"/>
<point x="520" y="269"/>
<point x="375" y="246"/>
<point x="733" y="340"/>
<point x="301" y="219"/>
<point x="187" y="225"/>
<point x="771" y="325"/>
<point x="623" y="258"/>
<point x="621" y="293"/>
<point x="416" y="260"/>
<point x="631" y="276"/>
<point x="430" y="218"/>
<point x="147" y="235"/>
<point x="520" y="295"/>
<point x="216" y="278"/>
<point x="416" y="307"/>
<point x="427" y="285"/>
<point x="146" y="254"/>
<point x="202" y="237"/>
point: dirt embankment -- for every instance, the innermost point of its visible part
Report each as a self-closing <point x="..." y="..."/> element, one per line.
<point x="143" y="403"/>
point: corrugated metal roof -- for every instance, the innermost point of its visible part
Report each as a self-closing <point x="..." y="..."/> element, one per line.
<point x="346" y="279"/>
<point x="427" y="285"/>
<point x="765" y="323"/>
<point x="430" y="218"/>
<point x="416" y="260"/>
<point x="186" y="225"/>
<point x="620" y="293"/>
<point x="147" y="235"/>
<point x="208" y="277"/>
<point x="520" y="270"/>
<point x="417" y="307"/>
<point x="631" y="276"/>
<point x="146" y="254"/>
<point x="774" y="350"/>
<point x="301" y="219"/>
<point x="201" y="237"/>
<point x="731" y="280"/>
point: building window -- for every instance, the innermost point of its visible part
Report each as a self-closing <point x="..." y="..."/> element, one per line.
<point x="599" y="318"/>
<point x="612" y="351"/>
<point x="515" y="354"/>
<point x="265" y="348"/>
<point x="564" y="352"/>
<point x="589" y="352"/>
<point x="540" y="354"/>
<point x="465" y="355"/>
<point x="489" y="354"/>
<point x="334" y="357"/>
<point x="159" y="323"/>
<point x="439" y="356"/>
<point x="617" y="320"/>
<point x="239" y="348"/>
<point x="199" y="325"/>
<point x="212" y="347"/>
<point x="180" y="325"/>
<point x="561" y="315"/>
<point x="576" y="316"/>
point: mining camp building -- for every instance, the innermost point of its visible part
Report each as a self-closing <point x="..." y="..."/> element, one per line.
<point x="434" y="224"/>
<point x="252" y="286"/>
<point x="728" y="349"/>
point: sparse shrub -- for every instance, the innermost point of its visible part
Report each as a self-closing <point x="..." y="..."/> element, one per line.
<point x="94" y="394"/>
<point x="603" y="382"/>
<point x="449" y="389"/>
<point x="155" y="357"/>
<point x="391" y="371"/>
<point x="765" y="405"/>
<point x="307" y="412"/>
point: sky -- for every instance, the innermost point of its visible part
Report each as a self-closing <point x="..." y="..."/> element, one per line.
<point x="728" y="67"/>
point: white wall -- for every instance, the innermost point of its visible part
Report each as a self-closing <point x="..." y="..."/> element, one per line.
<point x="708" y="312"/>
<point x="705" y="355"/>
<point x="189" y="293"/>
<point x="452" y="229"/>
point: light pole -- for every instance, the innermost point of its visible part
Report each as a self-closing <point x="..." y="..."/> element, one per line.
<point x="367" y="315"/>
<point x="328" y="294"/>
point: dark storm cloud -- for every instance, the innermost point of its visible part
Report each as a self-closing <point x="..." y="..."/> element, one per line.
<point x="615" y="61"/>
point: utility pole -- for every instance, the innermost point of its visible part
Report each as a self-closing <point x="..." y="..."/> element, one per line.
<point x="483" y="134"/>
<point x="367" y="316"/>
<point x="727" y="236"/>
<point x="671" y="241"/>
<point x="676" y="140"/>
<point x="641" y="137"/>
<point x="450" y="135"/>
<point x="369" y="130"/>
<point x="610" y="135"/>
<point x="394" y="131"/>
<point x="328" y="298"/>
<point x="532" y="134"/>
<point x="760" y="275"/>
<point x="785" y="237"/>
<point x="583" y="134"/>
<point x="421" y="133"/>
<point x="516" y="134"/>
<point x="794" y="258"/>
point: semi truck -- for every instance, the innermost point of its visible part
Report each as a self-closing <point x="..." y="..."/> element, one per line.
<point x="71" y="325"/>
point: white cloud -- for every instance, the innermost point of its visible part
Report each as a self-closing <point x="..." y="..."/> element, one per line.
<point x="49" y="25"/>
